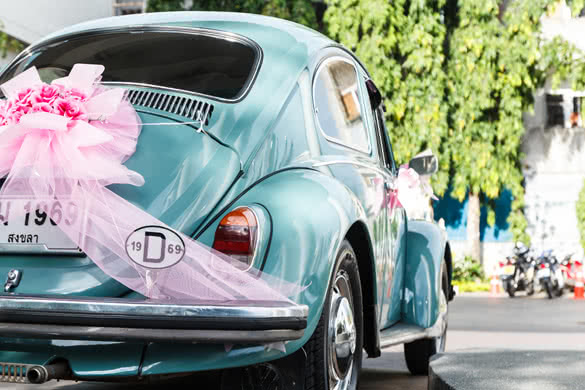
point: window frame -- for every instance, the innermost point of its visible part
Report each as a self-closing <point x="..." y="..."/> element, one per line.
<point x="212" y="33"/>
<point x="320" y="67"/>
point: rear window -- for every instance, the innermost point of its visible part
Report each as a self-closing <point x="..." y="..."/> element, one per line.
<point x="199" y="61"/>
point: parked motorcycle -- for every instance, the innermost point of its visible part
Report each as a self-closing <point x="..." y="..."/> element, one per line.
<point x="517" y="272"/>
<point x="569" y="267"/>
<point x="550" y="275"/>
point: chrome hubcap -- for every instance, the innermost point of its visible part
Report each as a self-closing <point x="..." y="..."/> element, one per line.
<point x="341" y="334"/>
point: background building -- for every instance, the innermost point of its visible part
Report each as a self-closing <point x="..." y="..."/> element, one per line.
<point x="30" y="20"/>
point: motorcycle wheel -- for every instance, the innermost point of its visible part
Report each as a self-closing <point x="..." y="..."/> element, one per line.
<point x="510" y="289"/>
<point x="530" y="289"/>
<point x="549" y="289"/>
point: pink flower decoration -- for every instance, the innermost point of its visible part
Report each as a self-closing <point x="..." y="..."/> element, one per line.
<point x="42" y="107"/>
<point x="24" y="97"/>
<point x="70" y="108"/>
<point x="46" y="94"/>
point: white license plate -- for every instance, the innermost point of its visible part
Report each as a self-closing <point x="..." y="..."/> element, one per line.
<point x="508" y="270"/>
<point x="28" y="225"/>
<point x="544" y="273"/>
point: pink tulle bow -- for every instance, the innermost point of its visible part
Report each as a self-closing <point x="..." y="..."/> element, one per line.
<point x="65" y="142"/>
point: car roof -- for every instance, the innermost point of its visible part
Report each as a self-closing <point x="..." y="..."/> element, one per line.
<point x="265" y="30"/>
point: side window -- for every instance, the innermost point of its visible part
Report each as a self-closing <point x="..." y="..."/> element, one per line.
<point x="388" y="154"/>
<point x="338" y="104"/>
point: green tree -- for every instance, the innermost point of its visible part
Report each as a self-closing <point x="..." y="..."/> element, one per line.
<point x="497" y="59"/>
<point x="580" y="209"/>
<point x="8" y="43"/>
<point x="402" y="44"/>
<point x="300" y="11"/>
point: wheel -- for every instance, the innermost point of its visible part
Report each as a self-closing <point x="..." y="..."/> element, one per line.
<point x="418" y="353"/>
<point x="334" y="351"/>
<point x="510" y="289"/>
<point x="548" y="288"/>
<point x="530" y="289"/>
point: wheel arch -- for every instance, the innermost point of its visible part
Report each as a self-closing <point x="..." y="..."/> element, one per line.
<point x="359" y="238"/>
<point x="448" y="258"/>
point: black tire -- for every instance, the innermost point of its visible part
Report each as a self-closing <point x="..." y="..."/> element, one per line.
<point x="548" y="288"/>
<point x="418" y="353"/>
<point x="317" y="375"/>
<point x="510" y="289"/>
<point x="530" y="289"/>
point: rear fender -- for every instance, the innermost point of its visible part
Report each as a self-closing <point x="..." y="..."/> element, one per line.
<point x="310" y="214"/>
<point x="425" y="251"/>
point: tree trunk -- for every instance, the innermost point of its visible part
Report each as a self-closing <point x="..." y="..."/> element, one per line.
<point x="473" y="217"/>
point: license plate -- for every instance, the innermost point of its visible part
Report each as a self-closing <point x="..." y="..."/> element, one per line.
<point x="508" y="270"/>
<point x="544" y="273"/>
<point x="30" y="226"/>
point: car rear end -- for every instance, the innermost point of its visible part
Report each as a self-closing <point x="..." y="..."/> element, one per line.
<point x="60" y="315"/>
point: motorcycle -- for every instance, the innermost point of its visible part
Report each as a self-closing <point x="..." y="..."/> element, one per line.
<point x="517" y="272"/>
<point x="569" y="268"/>
<point x="550" y="275"/>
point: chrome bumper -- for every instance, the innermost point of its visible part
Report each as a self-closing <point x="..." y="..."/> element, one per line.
<point x="116" y="319"/>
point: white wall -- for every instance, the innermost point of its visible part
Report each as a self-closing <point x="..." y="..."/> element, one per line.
<point x="30" y="20"/>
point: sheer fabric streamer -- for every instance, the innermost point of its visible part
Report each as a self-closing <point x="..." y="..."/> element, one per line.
<point x="66" y="142"/>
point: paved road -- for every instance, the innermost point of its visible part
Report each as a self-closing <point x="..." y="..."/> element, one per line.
<point x="474" y="322"/>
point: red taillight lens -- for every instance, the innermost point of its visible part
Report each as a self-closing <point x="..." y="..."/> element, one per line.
<point x="237" y="234"/>
<point x="543" y="265"/>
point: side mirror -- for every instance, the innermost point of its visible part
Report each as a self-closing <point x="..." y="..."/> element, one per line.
<point x="424" y="165"/>
<point x="374" y="94"/>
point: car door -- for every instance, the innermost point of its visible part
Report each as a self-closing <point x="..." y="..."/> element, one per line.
<point x="395" y="227"/>
<point x="349" y="149"/>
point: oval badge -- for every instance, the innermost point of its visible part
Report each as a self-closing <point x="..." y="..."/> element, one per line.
<point x="155" y="247"/>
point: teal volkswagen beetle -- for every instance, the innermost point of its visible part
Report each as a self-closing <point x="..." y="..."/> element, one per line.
<point x="275" y="153"/>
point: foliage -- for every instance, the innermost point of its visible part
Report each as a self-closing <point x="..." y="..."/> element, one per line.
<point x="497" y="59"/>
<point x="401" y="42"/>
<point x="580" y="208"/>
<point x="468" y="270"/>
<point x="7" y="43"/>
<point x="472" y="286"/>
<point x="300" y="11"/>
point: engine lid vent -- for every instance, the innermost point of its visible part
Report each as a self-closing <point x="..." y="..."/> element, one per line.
<point x="187" y="107"/>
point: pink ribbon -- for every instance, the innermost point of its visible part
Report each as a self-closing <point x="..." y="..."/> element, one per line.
<point x="66" y="142"/>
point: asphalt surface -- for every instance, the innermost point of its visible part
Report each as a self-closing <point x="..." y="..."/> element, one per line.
<point x="476" y="323"/>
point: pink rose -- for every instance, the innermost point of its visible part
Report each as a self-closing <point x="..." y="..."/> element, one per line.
<point x="23" y="98"/>
<point x="45" y="94"/>
<point x="14" y="118"/>
<point x="70" y="109"/>
<point x="42" y="107"/>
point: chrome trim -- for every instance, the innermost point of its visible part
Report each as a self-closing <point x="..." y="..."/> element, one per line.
<point x="38" y="249"/>
<point x="14" y="372"/>
<point x="356" y="163"/>
<point x="213" y="33"/>
<point x="255" y="310"/>
<point x="96" y="333"/>
<point x="334" y="140"/>
<point x="406" y="333"/>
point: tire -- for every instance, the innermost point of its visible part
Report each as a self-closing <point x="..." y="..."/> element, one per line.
<point x="418" y="353"/>
<point x="530" y="289"/>
<point x="548" y="288"/>
<point x="324" y="367"/>
<point x="510" y="289"/>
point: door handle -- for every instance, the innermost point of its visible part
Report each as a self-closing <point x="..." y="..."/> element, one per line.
<point x="389" y="185"/>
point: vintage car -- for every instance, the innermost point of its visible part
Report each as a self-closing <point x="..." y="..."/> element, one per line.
<point x="275" y="153"/>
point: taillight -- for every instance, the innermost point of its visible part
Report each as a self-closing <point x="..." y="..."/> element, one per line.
<point x="237" y="235"/>
<point x="543" y="265"/>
